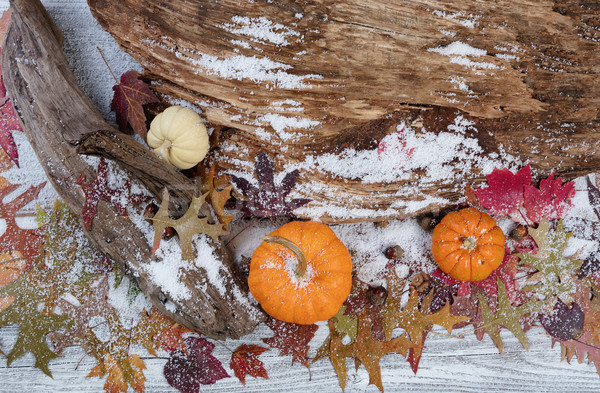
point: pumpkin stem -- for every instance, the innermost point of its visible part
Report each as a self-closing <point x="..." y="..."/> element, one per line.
<point x="294" y="248"/>
<point x="469" y="243"/>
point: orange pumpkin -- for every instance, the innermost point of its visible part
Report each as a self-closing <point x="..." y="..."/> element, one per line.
<point x="468" y="245"/>
<point x="301" y="273"/>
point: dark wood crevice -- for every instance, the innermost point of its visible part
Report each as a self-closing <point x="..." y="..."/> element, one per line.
<point x="61" y="123"/>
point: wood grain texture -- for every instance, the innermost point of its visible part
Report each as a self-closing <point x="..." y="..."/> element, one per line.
<point x="55" y="115"/>
<point x="448" y="365"/>
<point x="530" y="84"/>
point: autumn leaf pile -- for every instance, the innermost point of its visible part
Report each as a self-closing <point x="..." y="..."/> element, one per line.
<point x="56" y="287"/>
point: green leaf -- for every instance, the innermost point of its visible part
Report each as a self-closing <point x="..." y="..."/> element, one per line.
<point x="366" y="350"/>
<point x="346" y="324"/>
<point x="556" y="270"/>
<point x="410" y="318"/>
<point x="33" y="325"/>
<point x="506" y="316"/>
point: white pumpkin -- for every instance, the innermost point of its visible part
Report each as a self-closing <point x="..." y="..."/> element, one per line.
<point x="178" y="136"/>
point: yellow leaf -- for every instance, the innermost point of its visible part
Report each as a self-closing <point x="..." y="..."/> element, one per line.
<point x="186" y="226"/>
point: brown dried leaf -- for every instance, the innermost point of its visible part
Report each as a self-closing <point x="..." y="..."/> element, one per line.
<point x="186" y="226"/>
<point x="365" y="349"/>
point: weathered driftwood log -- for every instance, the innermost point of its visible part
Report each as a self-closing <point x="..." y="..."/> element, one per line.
<point x="307" y="79"/>
<point x="57" y="117"/>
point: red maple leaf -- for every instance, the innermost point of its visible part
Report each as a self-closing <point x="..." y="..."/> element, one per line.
<point x="244" y="361"/>
<point x="8" y="122"/>
<point x="187" y="371"/>
<point x="551" y="200"/>
<point x="504" y="194"/>
<point x="127" y="102"/>
<point x="99" y="189"/>
<point x="291" y="339"/>
<point x="26" y="241"/>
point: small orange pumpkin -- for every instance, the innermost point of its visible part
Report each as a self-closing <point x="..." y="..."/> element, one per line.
<point x="468" y="245"/>
<point x="301" y="273"/>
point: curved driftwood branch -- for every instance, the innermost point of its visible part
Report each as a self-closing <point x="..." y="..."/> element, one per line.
<point x="307" y="78"/>
<point x="59" y="122"/>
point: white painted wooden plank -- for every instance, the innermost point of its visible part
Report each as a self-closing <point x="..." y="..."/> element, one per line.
<point x="448" y="364"/>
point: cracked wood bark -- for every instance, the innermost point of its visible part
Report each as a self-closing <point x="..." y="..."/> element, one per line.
<point x="533" y="90"/>
<point x="56" y="117"/>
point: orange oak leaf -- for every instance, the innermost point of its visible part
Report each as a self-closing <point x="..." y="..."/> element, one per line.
<point x="151" y="324"/>
<point x="11" y="267"/>
<point x="117" y="380"/>
<point x="366" y="350"/>
<point x="219" y="192"/>
<point x="414" y="354"/>
<point x="130" y="94"/>
<point x="413" y="320"/>
<point x="244" y="361"/>
<point x="171" y="338"/>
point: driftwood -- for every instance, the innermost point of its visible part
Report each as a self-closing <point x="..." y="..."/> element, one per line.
<point x="529" y="80"/>
<point x="60" y="121"/>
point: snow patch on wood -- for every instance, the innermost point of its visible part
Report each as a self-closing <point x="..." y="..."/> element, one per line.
<point x="260" y="30"/>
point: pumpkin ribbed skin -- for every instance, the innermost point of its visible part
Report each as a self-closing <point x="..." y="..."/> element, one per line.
<point x="178" y="136"/>
<point x="304" y="300"/>
<point x="468" y="245"/>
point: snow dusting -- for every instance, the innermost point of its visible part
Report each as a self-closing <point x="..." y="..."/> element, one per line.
<point x="260" y="30"/>
<point x="281" y="123"/>
<point x="459" y="52"/>
<point x="253" y="68"/>
<point x="470" y="21"/>
<point x="368" y="242"/>
<point x="31" y="173"/>
<point x="443" y="158"/>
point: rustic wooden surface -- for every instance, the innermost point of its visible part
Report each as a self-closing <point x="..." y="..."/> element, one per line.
<point x="448" y="365"/>
<point x="534" y="90"/>
<point x="56" y="115"/>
